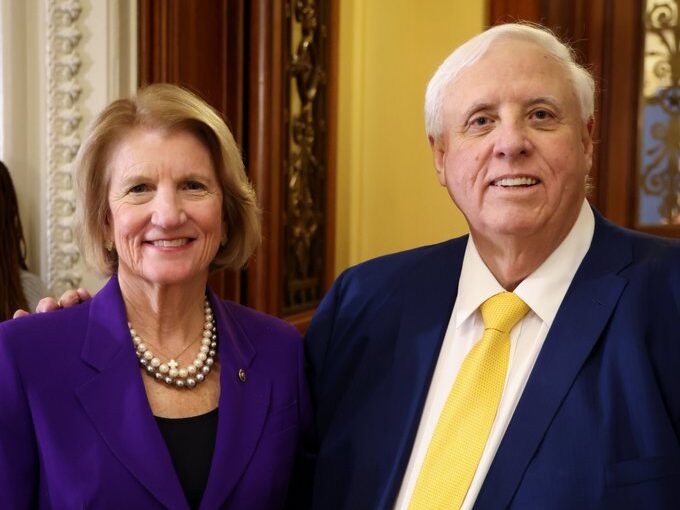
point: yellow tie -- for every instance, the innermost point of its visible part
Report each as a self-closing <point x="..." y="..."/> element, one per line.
<point x="464" y="424"/>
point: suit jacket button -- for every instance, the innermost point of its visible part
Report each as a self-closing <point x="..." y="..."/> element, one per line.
<point x="242" y="375"/>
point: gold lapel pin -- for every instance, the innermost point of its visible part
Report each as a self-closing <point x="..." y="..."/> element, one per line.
<point x="242" y="375"/>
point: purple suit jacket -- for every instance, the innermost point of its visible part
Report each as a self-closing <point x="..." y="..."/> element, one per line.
<point x="76" y="429"/>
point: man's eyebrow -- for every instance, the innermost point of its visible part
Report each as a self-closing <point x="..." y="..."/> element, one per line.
<point x="552" y="101"/>
<point x="476" y="107"/>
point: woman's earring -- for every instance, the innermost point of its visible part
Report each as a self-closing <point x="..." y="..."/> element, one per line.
<point x="108" y="245"/>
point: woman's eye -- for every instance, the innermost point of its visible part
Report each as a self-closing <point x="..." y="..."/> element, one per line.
<point x="139" y="188"/>
<point x="194" y="185"/>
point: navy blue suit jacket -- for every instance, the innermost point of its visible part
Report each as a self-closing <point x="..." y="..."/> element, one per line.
<point x="597" y="426"/>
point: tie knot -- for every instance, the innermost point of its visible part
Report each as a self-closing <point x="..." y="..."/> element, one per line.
<point x="502" y="311"/>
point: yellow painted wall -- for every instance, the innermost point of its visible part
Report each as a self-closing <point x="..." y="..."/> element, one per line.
<point x="388" y="195"/>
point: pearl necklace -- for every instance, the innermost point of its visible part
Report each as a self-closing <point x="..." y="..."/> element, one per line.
<point x="171" y="373"/>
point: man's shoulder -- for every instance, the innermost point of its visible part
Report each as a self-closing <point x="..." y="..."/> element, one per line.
<point x="409" y="272"/>
<point x="647" y="248"/>
<point x="429" y="257"/>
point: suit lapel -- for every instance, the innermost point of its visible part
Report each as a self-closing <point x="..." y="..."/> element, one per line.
<point x="579" y="323"/>
<point x="427" y="302"/>
<point x="242" y="411"/>
<point x="116" y="402"/>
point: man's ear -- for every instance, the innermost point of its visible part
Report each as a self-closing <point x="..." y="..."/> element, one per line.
<point x="439" y="157"/>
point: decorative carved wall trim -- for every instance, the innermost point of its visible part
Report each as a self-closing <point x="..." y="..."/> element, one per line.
<point x="305" y="155"/>
<point x="292" y="91"/>
<point x="63" y="121"/>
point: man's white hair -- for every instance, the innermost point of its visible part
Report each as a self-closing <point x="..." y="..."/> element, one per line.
<point x="475" y="48"/>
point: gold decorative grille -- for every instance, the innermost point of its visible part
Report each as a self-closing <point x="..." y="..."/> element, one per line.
<point x="659" y="165"/>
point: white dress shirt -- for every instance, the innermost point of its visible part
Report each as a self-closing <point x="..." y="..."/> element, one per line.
<point x="543" y="290"/>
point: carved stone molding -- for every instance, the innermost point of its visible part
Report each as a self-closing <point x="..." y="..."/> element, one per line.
<point x="63" y="122"/>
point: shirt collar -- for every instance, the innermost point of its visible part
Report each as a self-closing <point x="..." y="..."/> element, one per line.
<point x="544" y="289"/>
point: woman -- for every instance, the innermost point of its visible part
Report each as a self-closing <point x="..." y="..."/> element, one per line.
<point x="154" y="392"/>
<point x="19" y="288"/>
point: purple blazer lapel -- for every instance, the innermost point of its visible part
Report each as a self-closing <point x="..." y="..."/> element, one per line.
<point x="116" y="402"/>
<point x="579" y="323"/>
<point x="243" y="407"/>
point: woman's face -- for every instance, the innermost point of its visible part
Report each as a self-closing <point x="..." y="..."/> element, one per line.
<point x="165" y="207"/>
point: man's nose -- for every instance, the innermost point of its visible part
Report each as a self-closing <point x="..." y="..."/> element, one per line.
<point x="511" y="140"/>
<point x="168" y="209"/>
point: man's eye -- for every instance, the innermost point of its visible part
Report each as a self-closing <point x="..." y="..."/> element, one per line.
<point x="542" y="114"/>
<point x="480" y="121"/>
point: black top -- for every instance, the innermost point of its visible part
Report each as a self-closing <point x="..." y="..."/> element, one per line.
<point x="191" y="442"/>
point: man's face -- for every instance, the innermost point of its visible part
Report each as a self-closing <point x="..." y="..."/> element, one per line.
<point x="515" y="152"/>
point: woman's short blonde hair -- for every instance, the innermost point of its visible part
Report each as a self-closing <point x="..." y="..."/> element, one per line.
<point x="172" y="108"/>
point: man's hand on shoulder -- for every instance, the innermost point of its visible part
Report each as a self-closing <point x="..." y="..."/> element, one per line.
<point x="49" y="304"/>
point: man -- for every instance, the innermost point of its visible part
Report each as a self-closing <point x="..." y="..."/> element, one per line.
<point x="572" y="404"/>
<point x="587" y="410"/>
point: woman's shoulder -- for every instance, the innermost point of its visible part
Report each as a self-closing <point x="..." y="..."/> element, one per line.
<point x="51" y="328"/>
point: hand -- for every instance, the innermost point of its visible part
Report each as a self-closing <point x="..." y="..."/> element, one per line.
<point x="49" y="304"/>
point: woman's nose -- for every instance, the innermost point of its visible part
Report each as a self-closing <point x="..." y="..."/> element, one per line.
<point x="168" y="210"/>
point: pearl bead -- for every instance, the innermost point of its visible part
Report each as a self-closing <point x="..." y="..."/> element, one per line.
<point x="170" y="372"/>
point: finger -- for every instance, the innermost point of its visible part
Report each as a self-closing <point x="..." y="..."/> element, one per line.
<point x="83" y="294"/>
<point x="20" y="313"/>
<point x="68" y="299"/>
<point x="48" y="304"/>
